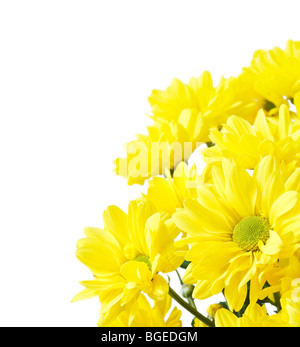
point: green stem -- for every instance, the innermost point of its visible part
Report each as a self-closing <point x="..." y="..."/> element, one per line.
<point x="192" y="302"/>
<point x="179" y="277"/>
<point x="189" y="308"/>
<point x="190" y="299"/>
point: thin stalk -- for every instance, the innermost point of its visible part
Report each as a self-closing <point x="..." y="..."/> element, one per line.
<point x="190" y="299"/>
<point x="189" y="308"/>
<point x="179" y="277"/>
<point x="192" y="302"/>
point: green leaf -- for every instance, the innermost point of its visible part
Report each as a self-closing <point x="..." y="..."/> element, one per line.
<point x="185" y="264"/>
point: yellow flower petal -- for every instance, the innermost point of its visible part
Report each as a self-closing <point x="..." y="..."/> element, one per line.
<point x="225" y="318"/>
<point x="261" y="126"/>
<point x="282" y="205"/>
<point x="273" y="245"/>
<point x="285" y="125"/>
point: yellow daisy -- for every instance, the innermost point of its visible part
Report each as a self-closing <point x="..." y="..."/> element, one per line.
<point x="183" y="115"/>
<point x="147" y="316"/>
<point x="290" y="289"/>
<point x="167" y="194"/>
<point x="254" y="316"/>
<point x="249" y="144"/>
<point x="239" y="227"/>
<point x="212" y="104"/>
<point x="275" y="73"/>
<point x="165" y="145"/>
<point x="126" y="257"/>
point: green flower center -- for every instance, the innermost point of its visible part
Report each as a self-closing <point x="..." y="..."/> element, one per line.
<point x="249" y="231"/>
<point x="144" y="259"/>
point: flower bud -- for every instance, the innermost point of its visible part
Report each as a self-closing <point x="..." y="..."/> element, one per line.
<point x="187" y="290"/>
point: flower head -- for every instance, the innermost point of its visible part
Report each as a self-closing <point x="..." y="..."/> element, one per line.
<point x="249" y="144"/>
<point x="290" y="290"/>
<point x="275" y="73"/>
<point x="254" y="316"/>
<point x="161" y="150"/>
<point x="239" y="227"/>
<point x="147" y="316"/>
<point x="213" y="104"/>
<point x="167" y="194"/>
<point x="126" y="257"/>
<point x="183" y="115"/>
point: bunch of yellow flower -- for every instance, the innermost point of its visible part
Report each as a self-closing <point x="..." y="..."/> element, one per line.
<point x="234" y="228"/>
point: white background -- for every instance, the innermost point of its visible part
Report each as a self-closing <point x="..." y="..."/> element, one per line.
<point x="74" y="82"/>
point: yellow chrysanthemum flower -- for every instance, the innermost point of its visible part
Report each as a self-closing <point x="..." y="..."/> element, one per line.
<point x="183" y="116"/>
<point x="275" y="73"/>
<point x="239" y="227"/>
<point x="213" y="104"/>
<point x="167" y="194"/>
<point x="290" y="289"/>
<point x="147" y="316"/>
<point x="166" y="145"/>
<point x="126" y="257"/>
<point x="249" y="144"/>
<point x="254" y="316"/>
